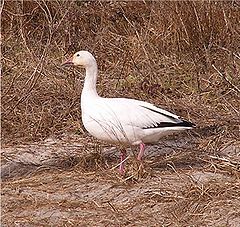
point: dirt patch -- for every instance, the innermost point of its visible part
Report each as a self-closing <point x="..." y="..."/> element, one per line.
<point x="47" y="189"/>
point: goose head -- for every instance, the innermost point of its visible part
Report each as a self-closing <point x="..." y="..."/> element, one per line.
<point x="81" y="58"/>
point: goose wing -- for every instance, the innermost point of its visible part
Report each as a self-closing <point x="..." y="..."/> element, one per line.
<point x="143" y="115"/>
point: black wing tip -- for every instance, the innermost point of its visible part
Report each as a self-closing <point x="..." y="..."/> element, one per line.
<point x="182" y="123"/>
<point x="177" y="122"/>
<point x="185" y="123"/>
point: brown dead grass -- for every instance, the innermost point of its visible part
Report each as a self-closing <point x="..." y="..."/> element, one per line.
<point x="161" y="52"/>
<point x="183" y="56"/>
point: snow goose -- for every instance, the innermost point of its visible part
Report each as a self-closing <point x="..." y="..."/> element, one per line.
<point x="122" y="120"/>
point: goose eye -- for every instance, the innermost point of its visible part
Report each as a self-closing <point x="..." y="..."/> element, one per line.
<point x="78" y="55"/>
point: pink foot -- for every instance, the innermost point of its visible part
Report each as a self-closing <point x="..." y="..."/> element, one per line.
<point x="141" y="152"/>
<point x="123" y="157"/>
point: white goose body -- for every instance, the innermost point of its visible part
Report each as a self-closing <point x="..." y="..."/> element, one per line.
<point x="128" y="121"/>
<point x="122" y="120"/>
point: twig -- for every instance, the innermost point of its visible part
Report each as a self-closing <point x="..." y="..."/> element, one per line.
<point x="225" y="78"/>
<point x="1" y="8"/>
<point x="120" y="163"/>
<point x="114" y="209"/>
<point x="224" y="159"/>
<point x="175" y="171"/>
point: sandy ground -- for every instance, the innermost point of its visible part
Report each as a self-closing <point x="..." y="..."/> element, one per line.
<point x="61" y="182"/>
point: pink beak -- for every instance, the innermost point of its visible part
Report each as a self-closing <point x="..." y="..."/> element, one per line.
<point x="68" y="62"/>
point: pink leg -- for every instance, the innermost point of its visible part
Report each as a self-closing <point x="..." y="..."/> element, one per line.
<point x="123" y="157"/>
<point x="141" y="152"/>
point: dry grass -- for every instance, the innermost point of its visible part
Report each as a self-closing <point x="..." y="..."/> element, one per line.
<point x="183" y="56"/>
<point x="161" y="52"/>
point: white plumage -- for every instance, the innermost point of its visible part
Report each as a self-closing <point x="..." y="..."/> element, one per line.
<point x="122" y="120"/>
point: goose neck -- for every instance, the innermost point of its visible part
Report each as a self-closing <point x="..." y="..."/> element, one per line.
<point x="90" y="82"/>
